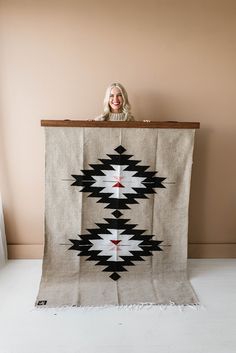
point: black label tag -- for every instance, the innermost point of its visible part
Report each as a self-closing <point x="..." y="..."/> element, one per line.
<point x="42" y="302"/>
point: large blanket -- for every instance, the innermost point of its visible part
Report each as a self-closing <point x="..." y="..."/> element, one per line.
<point x="116" y="216"/>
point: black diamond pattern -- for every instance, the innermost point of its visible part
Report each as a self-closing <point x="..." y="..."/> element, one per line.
<point x="117" y="214"/>
<point x="129" y="244"/>
<point x="120" y="149"/>
<point x="114" y="276"/>
<point x="86" y="242"/>
<point x="149" y="180"/>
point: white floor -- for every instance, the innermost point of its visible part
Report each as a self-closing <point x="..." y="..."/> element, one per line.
<point x="209" y="329"/>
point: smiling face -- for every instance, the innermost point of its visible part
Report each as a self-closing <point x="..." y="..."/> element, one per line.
<point x="115" y="100"/>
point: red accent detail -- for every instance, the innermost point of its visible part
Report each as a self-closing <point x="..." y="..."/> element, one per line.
<point x="116" y="242"/>
<point x="118" y="185"/>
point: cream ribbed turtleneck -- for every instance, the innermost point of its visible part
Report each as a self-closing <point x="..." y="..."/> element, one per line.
<point x="115" y="117"/>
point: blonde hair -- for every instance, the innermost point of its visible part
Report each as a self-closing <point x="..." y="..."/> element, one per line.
<point x="126" y="108"/>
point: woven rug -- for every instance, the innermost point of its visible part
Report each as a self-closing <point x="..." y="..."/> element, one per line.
<point x="116" y="217"/>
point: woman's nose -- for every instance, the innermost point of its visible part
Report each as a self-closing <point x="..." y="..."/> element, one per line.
<point x="115" y="99"/>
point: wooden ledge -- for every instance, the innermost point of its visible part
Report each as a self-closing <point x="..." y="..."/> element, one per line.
<point x="122" y="124"/>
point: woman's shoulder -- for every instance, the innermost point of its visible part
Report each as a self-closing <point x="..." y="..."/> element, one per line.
<point x="101" y="117"/>
<point x="130" y="118"/>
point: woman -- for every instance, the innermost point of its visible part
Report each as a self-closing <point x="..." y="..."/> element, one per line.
<point x="116" y="104"/>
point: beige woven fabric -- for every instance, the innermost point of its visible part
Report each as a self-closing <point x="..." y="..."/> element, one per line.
<point x="71" y="277"/>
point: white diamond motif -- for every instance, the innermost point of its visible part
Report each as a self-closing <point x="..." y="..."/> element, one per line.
<point x="125" y="178"/>
<point x="115" y="251"/>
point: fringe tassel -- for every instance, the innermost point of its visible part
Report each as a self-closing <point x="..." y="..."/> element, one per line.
<point x="130" y="307"/>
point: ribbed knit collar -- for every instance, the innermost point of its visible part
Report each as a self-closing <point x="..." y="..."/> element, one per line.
<point x="116" y="116"/>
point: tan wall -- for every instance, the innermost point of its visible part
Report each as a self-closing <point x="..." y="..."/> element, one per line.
<point x="177" y="60"/>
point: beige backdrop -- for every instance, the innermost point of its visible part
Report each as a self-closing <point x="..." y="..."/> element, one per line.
<point x="175" y="57"/>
